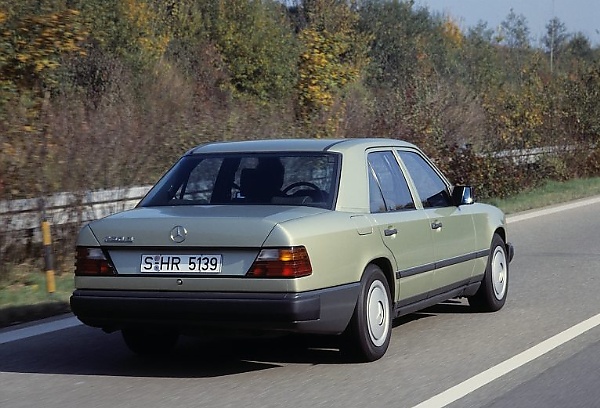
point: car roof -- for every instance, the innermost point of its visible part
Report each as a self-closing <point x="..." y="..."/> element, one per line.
<point x="298" y="145"/>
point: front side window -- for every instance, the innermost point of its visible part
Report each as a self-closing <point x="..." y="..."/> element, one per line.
<point x="431" y="188"/>
<point x="242" y="179"/>
<point x="388" y="190"/>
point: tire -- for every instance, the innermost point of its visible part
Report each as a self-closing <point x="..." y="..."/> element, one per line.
<point x="149" y="342"/>
<point x="368" y="334"/>
<point x="491" y="295"/>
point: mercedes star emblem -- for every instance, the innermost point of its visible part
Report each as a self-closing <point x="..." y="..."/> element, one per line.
<point x="178" y="234"/>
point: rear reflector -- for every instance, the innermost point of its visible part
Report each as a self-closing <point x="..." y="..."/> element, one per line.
<point x="291" y="262"/>
<point x="92" y="262"/>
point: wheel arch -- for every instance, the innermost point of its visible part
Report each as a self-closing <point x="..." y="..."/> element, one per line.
<point x="510" y="249"/>
<point x="386" y="267"/>
<point x="502" y="232"/>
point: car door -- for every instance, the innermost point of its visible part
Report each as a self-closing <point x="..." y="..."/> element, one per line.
<point x="452" y="227"/>
<point x="404" y="229"/>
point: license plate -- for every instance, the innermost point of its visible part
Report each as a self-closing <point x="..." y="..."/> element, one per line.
<point x="181" y="263"/>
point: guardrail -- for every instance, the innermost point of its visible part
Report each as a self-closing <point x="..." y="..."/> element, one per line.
<point x="66" y="208"/>
<point x="533" y="155"/>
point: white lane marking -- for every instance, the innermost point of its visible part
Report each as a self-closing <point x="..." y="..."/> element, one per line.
<point x="468" y="386"/>
<point x="551" y="210"/>
<point x="38" y="329"/>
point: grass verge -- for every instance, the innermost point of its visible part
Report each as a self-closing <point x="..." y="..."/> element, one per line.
<point x="23" y="294"/>
<point x="553" y="192"/>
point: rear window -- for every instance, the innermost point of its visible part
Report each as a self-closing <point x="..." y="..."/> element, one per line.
<point x="249" y="179"/>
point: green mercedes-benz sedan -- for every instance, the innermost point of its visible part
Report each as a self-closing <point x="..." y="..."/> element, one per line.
<point x="318" y="236"/>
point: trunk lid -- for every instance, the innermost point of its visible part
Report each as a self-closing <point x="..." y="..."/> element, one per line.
<point x="143" y="240"/>
<point x="205" y="226"/>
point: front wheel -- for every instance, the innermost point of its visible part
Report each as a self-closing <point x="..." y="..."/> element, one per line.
<point x="368" y="334"/>
<point x="494" y="287"/>
<point x="150" y="342"/>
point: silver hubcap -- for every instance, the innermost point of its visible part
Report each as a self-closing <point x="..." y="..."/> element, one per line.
<point x="378" y="312"/>
<point x="499" y="272"/>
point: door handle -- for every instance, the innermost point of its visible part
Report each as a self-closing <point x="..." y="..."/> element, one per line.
<point x="436" y="225"/>
<point x="388" y="232"/>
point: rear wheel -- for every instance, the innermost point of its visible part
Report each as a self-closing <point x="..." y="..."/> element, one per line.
<point x="491" y="295"/>
<point x="369" y="331"/>
<point x="150" y="342"/>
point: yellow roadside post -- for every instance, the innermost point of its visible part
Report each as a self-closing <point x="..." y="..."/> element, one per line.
<point x="48" y="255"/>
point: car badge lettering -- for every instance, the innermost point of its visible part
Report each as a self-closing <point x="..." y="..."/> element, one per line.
<point x="118" y="240"/>
<point x="178" y="234"/>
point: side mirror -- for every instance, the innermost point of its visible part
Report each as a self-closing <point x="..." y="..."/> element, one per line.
<point x="463" y="195"/>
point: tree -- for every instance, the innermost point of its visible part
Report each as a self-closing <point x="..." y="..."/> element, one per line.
<point x="582" y="108"/>
<point x="555" y="39"/>
<point x="33" y="39"/>
<point x="400" y="36"/>
<point x="516" y="111"/>
<point x="334" y="54"/>
<point x="128" y="29"/>
<point x="257" y="44"/>
<point x="514" y="31"/>
<point x="481" y="59"/>
<point x="148" y="30"/>
<point x="514" y="36"/>
<point x="556" y="36"/>
<point x="579" y="47"/>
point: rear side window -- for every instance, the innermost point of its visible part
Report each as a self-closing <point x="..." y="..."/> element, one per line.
<point x="431" y="188"/>
<point x="388" y="190"/>
<point x="257" y="179"/>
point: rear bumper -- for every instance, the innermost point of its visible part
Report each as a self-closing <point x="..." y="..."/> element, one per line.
<point x="321" y="311"/>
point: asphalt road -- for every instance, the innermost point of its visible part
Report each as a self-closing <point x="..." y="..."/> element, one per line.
<point x="536" y="352"/>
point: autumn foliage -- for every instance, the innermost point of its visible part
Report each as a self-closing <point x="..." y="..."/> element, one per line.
<point x="98" y="94"/>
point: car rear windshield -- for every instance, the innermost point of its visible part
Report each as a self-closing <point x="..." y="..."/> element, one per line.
<point x="308" y="179"/>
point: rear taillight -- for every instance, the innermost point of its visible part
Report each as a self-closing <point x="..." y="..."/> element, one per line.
<point x="92" y="262"/>
<point x="292" y="262"/>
